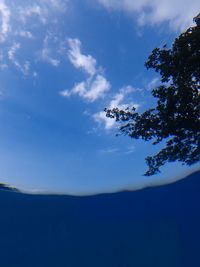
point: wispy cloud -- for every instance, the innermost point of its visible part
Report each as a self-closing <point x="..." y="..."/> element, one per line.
<point x="25" y="34"/>
<point x="118" y="150"/>
<point x="27" y="22"/>
<point x="5" y="20"/>
<point x="79" y="60"/>
<point x="45" y="56"/>
<point x="91" y="89"/>
<point x="130" y="149"/>
<point x="45" y="53"/>
<point x="153" y="83"/>
<point x="95" y="85"/>
<point x="101" y="119"/>
<point x="56" y="5"/>
<point x="24" y="68"/>
<point x="109" y="150"/>
<point x="31" y="11"/>
<point x="42" y="10"/>
<point x="177" y="13"/>
<point x="117" y="101"/>
<point x="28" y="14"/>
<point x="12" y="51"/>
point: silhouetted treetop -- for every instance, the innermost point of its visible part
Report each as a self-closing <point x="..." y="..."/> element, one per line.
<point x="176" y="117"/>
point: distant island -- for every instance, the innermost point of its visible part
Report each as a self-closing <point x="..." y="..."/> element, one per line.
<point x="8" y="187"/>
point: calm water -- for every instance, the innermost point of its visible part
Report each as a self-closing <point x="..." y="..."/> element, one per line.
<point x="153" y="227"/>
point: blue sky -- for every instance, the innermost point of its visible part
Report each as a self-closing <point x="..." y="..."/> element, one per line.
<point x="62" y="63"/>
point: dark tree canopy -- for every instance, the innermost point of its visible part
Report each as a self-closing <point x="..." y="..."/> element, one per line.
<point x="176" y="117"/>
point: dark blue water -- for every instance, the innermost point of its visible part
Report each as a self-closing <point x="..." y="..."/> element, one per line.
<point x="158" y="227"/>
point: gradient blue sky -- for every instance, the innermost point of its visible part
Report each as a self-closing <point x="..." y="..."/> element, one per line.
<point x="63" y="62"/>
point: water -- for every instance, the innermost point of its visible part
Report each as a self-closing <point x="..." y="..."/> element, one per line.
<point x="153" y="227"/>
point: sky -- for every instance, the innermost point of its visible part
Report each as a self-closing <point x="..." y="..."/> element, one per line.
<point x="61" y="63"/>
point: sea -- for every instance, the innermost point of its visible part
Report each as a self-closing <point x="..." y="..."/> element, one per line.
<point x="153" y="227"/>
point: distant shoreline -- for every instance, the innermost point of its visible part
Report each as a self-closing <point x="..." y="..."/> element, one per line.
<point x="6" y="187"/>
<point x="10" y="188"/>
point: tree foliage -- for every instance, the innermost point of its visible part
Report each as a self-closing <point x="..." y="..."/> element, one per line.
<point x="176" y="118"/>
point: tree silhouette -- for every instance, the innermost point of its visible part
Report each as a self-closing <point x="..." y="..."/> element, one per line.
<point x="176" y="118"/>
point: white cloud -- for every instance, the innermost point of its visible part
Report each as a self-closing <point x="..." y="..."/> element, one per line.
<point x="95" y="86"/>
<point x="31" y="21"/>
<point x="130" y="149"/>
<point x="109" y="150"/>
<point x="5" y="20"/>
<point x="12" y="51"/>
<point x="91" y="89"/>
<point x="153" y="83"/>
<point x="45" y="54"/>
<point x="24" y="68"/>
<point x="42" y="9"/>
<point x="25" y="34"/>
<point x="118" y="99"/>
<point x="118" y="150"/>
<point x="56" y="5"/>
<point x="116" y="102"/>
<point x="101" y="118"/>
<point x="79" y="60"/>
<point x="34" y="10"/>
<point x="177" y="13"/>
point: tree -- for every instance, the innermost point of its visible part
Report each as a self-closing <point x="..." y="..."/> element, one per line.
<point x="175" y="120"/>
